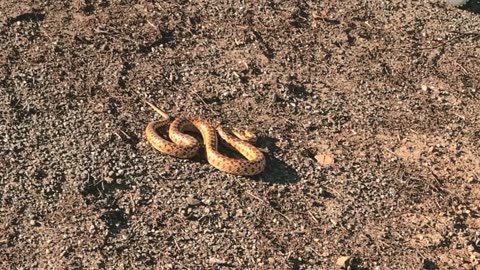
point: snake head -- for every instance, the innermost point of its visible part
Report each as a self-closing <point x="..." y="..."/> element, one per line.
<point x="246" y="135"/>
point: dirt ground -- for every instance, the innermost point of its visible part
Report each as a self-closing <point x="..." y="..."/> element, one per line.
<point x="367" y="112"/>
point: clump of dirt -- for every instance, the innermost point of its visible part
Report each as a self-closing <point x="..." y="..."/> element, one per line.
<point x="367" y="113"/>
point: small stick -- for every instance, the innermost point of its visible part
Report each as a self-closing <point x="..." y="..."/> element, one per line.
<point x="126" y="135"/>
<point x="152" y="24"/>
<point x="313" y="217"/>
<point x="278" y="212"/>
<point x="157" y="110"/>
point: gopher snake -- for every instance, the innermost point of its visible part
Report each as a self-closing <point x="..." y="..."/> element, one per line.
<point x="186" y="146"/>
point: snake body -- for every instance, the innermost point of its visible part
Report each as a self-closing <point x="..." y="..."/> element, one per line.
<point x="185" y="146"/>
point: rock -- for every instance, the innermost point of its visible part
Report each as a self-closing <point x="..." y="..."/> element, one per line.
<point x="344" y="261"/>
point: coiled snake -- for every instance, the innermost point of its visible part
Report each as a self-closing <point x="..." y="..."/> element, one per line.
<point x="185" y="146"/>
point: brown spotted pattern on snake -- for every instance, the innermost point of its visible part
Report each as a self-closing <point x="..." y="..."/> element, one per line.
<point x="185" y="146"/>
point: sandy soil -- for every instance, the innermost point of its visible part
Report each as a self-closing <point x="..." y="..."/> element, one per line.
<point x="368" y="113"/>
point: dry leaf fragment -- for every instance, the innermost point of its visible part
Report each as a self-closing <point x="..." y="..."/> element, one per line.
<point x="216" y="261"/>
<point x="324" y="159"/>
